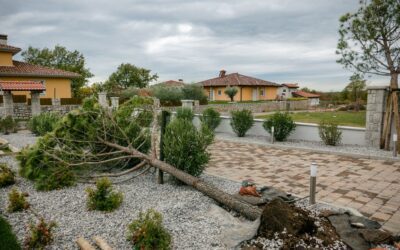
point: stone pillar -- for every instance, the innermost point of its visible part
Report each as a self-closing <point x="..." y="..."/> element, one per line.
<point x="56" y="101"/>
<point x="196" y="103"/>
<point x="114" y="102"/>
<point x="35" y="103"/>
<point x="8" y="103"/>
<point x="103" y="99"/>
<point x="375" y="113"/>
<point x="187" y="104"/>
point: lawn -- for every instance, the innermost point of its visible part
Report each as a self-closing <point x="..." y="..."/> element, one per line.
<point x="343" y="118"/>
<point x="7" y="239"/>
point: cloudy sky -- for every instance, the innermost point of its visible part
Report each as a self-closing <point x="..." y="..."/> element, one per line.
<point x="275" y="40"/>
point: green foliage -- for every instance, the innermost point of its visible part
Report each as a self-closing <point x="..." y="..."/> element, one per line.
<point x="241" y="121"/>
<point x="43" y="123"/>
<point x="283" y="125"/>
<point x="103" y="198"/>
<point x="7" y="240"/>
<point x="168" y="96"/>
<point x="40" y="234"/>
<point x="185" y="147"/>
<point x="329" y="133"/>
<point x="211" y="118"/>
<point x="231" y="92"/>
<point x="16" y="201"/>
<point x="194" y="92"/>
<point x="128" y="75"/>
<point x="7" y="177"/>
<point x="356" y="89"/>
<point x="148" y="233"/>
<point x="184" y="113"/>
<point x="8" y="125"/>
<point x="60" y="58"/>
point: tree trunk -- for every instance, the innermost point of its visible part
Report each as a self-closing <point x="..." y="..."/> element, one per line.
<point x="392" y="113"/>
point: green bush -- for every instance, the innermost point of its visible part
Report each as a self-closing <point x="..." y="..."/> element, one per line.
<point x="8" y="125"/>
<point x="329" y="133"/>
<point x="283" y="125"/>
<point x="185" y="147"/>
<point x="40" y="234"/>
<point x="231" y="92"/>
<point x="168" y="96"/>
<point x="148" y="233"/>
<point x="194" y="92"/>
<point x="241" y="121"/>
<point x="8" y="240"/>
<point x="7" y="177"/>
<point x="16" y="201"/>
<point x="211" y="118"/>
<point x="184" y="113"/>
<point x="103" y="198"/>
<point x="44" y="123"/>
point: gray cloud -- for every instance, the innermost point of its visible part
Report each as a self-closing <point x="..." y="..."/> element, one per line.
<point x="281" y="41"/>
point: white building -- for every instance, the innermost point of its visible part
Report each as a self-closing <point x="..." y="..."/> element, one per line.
<point x="286" y="90"/>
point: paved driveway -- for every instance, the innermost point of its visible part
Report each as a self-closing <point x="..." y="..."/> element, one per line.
<point x="370" y="186"/>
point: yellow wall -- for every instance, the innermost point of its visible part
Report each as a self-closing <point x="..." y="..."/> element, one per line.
<point x="6" y="59"/>
<point x="61" y="86"/>
<point x="244" y="93"/>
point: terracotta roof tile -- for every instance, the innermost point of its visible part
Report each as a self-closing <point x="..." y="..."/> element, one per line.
<point x="172" y="83"/>
<point x="26" y="69"/>
<point x="8" y="48"/>
<point x="291" y="85"/>
<point x="21" y="85"/>
<point x="305" y="94"/>
<point x="236" y="79"/>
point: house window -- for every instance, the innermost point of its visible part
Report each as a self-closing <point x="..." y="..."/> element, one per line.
<point x="261" y="92"/>
<point x="219" y="92"/>
<point x="284" y="90"/>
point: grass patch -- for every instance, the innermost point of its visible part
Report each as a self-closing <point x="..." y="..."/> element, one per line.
<point x="342" y="118"/>
<point x="7" y="239"/>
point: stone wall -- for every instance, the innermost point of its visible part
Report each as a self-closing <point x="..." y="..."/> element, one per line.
<point x="375" y="112"/>
<point x="24" y="112"/>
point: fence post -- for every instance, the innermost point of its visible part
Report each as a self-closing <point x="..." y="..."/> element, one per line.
<point x="8" y="103"/>
<point x="114" y="102"/>
<point x="35" y="103"/>
<point x="103" y="100"/>
<point x="164" y="121"/>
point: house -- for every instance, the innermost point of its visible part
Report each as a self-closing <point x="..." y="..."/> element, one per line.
<point x="313" y="99"/>
<point x="286" y="90"/>
<point x="249" y="88"/>
<point x="57" y="82"/>
<point x="171" y="84"/>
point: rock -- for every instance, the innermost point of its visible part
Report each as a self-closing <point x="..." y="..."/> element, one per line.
<point x="365" y="221"/>
<point x="357" y="225"/>
<point x="376" y="236"/>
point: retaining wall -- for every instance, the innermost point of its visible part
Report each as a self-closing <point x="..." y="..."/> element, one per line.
<point x="23" y="111"/>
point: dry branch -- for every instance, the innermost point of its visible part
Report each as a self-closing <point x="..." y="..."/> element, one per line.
<point x="84" y="244"/>
<point x="101" y="243"/>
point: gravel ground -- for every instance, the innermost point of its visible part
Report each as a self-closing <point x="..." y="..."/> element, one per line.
<point x="20" y="139"/>
<point x="345" y="149"/>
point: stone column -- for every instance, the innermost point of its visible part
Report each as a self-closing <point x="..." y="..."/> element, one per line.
<point x="114" y="102"/>
<point x="8" y="103"/>
<point x="56" y="101"/>
<point x="35" y="103"/>
<point x="375" y="113"/>
<point x="103" y="99"/>
<point x="187" y="104"/>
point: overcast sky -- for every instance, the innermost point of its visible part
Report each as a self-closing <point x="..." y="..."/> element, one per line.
<point x="275" y="40"/>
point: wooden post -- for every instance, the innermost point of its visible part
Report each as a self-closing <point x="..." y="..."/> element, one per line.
<point x="164" y="120"/>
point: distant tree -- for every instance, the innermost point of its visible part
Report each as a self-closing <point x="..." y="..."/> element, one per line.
<point x="355" y="89"/>
<point x="369" y="43"/>
<point x="231" y="92"/>
<point x="60" y="58"/>
<point x="305" y="89"/>
<point x="128" y="75"/>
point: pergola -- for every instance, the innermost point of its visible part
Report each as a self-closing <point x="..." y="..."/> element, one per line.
<point x="34" y="87"/>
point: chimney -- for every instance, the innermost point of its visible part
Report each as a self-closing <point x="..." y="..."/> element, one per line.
<point x="222" y="73"/>
<point x="180" y="80"/>
<point x="3" y="39"/>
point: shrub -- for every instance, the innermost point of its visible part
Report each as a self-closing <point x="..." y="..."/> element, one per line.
<point x="8" y="125"/>
<point x="231" y="92"/>
<point x="7" y="177"/>
<point x="168" y="96"/>
<point x="103" y="198"/>
<point x="241" y="121"/>
<point x="148" y="233"/>
<point x="329" y="133"/>
<point x="40" y="234"/>
<point x="211" y="118"/>
<point x="43" y="123"/>
<point x="17" y="201"/>
<point x="194" y="92"/>
<point x="283" y="125"/>
<point x="8" y="240"/>
<point x="184" y="113"/>
<point x="185" y="147"/>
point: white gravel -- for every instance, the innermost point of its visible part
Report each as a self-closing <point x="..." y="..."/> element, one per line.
<point x="20" y="139"/>
<point x="355" y="150"/>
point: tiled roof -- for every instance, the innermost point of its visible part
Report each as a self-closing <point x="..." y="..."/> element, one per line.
<point x="8" y="48"/>
<point x="172" y="83"/>
<point x="236" y="79"/>
<point x="291" y="85"/>
<point x="21" y="85"/>
<point x="26" y="69"/>
<point x="305" y="94"/>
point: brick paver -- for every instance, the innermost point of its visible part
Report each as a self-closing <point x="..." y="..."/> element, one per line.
<point x="370" y="186"/>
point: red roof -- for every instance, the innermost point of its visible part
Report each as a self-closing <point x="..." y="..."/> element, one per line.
<point x="8" y="48"/>
<point x="291" y="85"/>
<point x="26" y="69"/>
<point x="21" y="85"/>
<point x="172" y="83"/>
<point x="305" y="94"/>
<point x="236" y="79"/>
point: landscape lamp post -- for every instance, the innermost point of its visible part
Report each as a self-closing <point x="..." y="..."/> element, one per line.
<point x="313" y="182"/>
<point x="394" y="145"/>
<point x="272" y="134"/>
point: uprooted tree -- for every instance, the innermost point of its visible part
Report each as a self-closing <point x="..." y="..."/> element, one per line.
<point x="94" y="142"/>
<point x="370" y="44"/>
